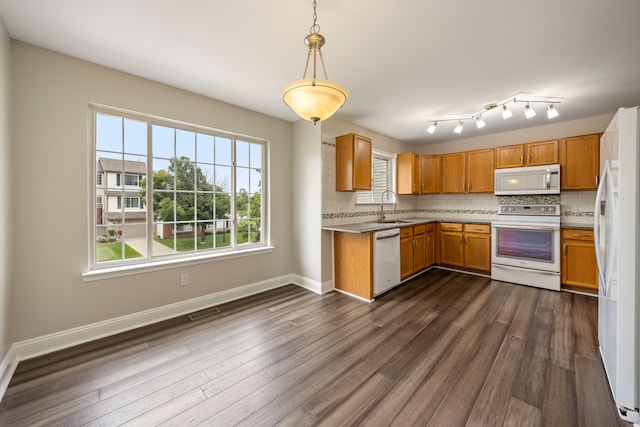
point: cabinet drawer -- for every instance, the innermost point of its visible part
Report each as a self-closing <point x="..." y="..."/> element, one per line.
<point x="418" y="229"/>
<point x="477" y="228"/>
<point x="568" y="233"/>
<point x="450" y="226"/>
<point x="430" y="227"/>
<point x="406" y="232"/>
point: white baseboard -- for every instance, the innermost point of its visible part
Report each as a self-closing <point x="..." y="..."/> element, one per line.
<point x="34" y="347"/>
<point x="7" y="368"/>
<point x="312" y="285"/>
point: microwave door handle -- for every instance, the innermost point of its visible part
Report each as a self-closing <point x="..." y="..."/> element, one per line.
<point x="547" y="178"/>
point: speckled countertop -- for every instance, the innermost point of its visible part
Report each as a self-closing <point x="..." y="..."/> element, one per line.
<point x="367" y="227"/>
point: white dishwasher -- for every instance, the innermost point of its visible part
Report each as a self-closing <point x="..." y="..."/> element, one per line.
<point x="386" y="260"/>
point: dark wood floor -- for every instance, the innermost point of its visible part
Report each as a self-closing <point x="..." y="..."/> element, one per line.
<point x="445" y="349"/>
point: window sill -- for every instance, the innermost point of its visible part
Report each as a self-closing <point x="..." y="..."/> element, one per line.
<point x="128" y="270"/>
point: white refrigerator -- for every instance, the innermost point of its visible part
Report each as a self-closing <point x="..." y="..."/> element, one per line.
<point x="617" y="243"/>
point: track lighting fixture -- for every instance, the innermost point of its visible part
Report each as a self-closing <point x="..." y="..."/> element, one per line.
<point x="529" y="112"/>
<point x="506" y="113"/>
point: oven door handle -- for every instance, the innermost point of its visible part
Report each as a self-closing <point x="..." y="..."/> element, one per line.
<point x="527" y="227"/>
<point x="508" y="267"/>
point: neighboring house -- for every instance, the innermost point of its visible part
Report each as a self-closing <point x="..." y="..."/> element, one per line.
<point x="118" y="196"/>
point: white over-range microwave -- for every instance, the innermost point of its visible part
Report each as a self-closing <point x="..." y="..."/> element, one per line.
<point x="527" y="180"/>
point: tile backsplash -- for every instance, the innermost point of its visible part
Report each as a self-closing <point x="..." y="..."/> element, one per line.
<point x="341" y="208"/>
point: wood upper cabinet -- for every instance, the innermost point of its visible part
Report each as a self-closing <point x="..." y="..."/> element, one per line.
<point x="510" y="156"/>
<point x="353" y="162"/>
<point x="480" y="166"/>
<point x="580" y="162"/>
<point x="408" y="173"/>
<point x="541" y="153"/>
<point x="453" y="172"/>
<point x="531" y="154"/>
<point x="468" y="172"/>
<point x="429" y="174"/>
<point x="579" y="266"/>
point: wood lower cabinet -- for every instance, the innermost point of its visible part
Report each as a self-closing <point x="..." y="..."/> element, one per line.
<point x="466" y="246"/>
<point x="406" y="252"/>
<point x="353" y="162"/>
<point x="353" y="263"/>
<point x="413" y="249"/>
<point x="580" y="162"/>
<point x="579" y="267"/>
<point x="430" y="245"/>
<point x="477" y="247"/>
<point x="451" y="244"/>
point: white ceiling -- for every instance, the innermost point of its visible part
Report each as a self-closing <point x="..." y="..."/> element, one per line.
<point x="403" y="62"/>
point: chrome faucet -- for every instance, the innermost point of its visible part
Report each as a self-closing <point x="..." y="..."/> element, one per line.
<point x="395" y="201"/>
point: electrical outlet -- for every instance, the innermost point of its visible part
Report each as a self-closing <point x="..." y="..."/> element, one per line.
<point x="184" y="280"/>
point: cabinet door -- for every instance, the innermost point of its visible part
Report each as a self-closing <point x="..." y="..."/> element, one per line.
<point x="419" y="252"/>
<point x="453" y="173"/>
<point x="541" y="153"/>
<point x="480" y="166"/>
<point x="362" y="163"/>
<point x="407" y="173"/>
<point x="353" y="163"/>
<point x="579" y="264"/>
<point x="510" y="156"/>
<point x="477" y="251"/>
<point x="451" y="248"/>
<point x="430" y="249"/>
<point x="406" y="257"/>
<point x="429" y="174"/>
<point x="580" y="162"/>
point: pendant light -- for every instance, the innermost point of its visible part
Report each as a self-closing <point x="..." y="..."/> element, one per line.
<point x="312" y="98"/>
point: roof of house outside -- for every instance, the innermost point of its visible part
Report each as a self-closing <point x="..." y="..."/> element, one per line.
<point x="115" y="165"/>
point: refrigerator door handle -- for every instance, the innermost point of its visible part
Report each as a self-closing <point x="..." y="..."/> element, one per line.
<point x="596" y="227"/>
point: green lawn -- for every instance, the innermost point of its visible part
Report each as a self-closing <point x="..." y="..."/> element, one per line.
<point x="185" y="244"/>
<point x="113" y="252"/>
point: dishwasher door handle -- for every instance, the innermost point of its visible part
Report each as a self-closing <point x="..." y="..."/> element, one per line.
<point x="390" y="236"/>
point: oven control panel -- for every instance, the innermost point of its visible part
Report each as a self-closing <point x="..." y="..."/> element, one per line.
<point x="533" y="210"/>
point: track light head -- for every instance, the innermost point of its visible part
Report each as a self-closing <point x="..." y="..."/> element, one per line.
<point x="431" y="129"/>
<point x="528" y="111"/>
<point x="552" y="113"/>
<point x="458" y="128"/>
<point x="506" y="113"/>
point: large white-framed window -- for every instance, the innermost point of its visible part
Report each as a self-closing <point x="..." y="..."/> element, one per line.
<point x="383" y="173"/>
<point x="171" y="190"/>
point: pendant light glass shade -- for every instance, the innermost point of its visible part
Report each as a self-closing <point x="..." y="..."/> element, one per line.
<point x="314" y="99"/>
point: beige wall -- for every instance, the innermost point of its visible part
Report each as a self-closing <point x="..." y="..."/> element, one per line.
<point x="5" y="194"/>
<point x="51" y="93"/>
